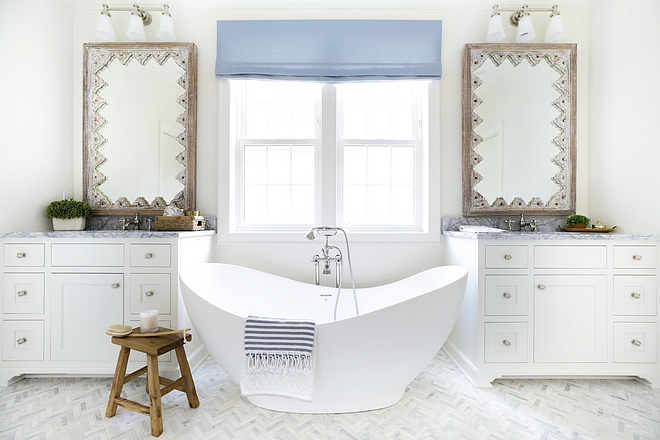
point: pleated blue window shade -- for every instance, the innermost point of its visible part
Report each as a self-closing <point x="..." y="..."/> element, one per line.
<point x="329" y="50"/>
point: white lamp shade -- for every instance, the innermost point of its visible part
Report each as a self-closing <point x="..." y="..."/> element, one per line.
<point x="136" y="29"/>
<point x="104" y="30"/>
<point x="495" y="29"/>
<point x="555" y="30"/>
<point x="526" y="30"/>
<point x="166" y="29"/>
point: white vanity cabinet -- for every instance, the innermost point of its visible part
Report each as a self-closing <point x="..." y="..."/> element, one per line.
<point x="62" y="290"/>
<point x="547" y="305"/>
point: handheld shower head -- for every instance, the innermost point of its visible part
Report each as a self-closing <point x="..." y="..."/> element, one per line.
<point x="310" y="235"/>
<point x="322" y="231"/>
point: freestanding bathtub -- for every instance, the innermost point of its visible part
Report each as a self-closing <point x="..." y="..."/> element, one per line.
<point x="363" y="362"/>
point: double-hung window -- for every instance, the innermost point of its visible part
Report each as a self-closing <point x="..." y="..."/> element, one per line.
<point x="353" y="154"/>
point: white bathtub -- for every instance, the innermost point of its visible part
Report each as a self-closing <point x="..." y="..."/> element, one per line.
<point x="363" y="362"/>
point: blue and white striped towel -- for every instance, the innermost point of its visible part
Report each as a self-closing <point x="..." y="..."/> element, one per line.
<point x="279" y="358"/>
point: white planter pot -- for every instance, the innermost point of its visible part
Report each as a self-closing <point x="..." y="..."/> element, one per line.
<point x="69" y="224"/>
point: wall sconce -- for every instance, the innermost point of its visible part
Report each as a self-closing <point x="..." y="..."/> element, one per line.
<point x="140" y="17"/>
<point x="523" y="21"/>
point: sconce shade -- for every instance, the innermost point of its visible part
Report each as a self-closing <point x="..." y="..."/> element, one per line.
<point x="555" y="30"/>
<point x="105" y="31"/>
<point x="526" y="30"/>
<point x="136" y="29"/>
<point x="495" y="29"/>
<point x="166" y="29"/>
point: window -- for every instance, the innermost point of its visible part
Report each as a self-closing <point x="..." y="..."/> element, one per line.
<point x="303" y="154"/>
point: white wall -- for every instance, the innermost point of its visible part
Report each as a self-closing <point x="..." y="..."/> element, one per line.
<point x="36" y="128"/>
<point x="373" y="263"/>
<point x="624" y="95"/>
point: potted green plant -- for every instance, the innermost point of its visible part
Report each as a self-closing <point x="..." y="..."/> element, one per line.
<point x="577" y="221"/>
<point x="68" y="215"/>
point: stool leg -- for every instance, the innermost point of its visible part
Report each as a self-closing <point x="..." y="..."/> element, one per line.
<point x="118" y="381"/>
<point x="191" y="392"/>
<point x="155" y="411"/>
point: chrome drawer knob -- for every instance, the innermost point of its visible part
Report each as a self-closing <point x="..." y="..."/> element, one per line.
<point x="541" y="287"/>
<point x="636" y="343"/>
<point x="21" y="293"/>
<point x="507" y="257"/>
<point x="150" y="293"/>
<point x="21" y="341"/>
<point x="148" y="255"/>
<point x="635" y="295"/>
<point x="637" y="257"/>
<point x="115" y="285"/>
<point x="506" y="343"/>
<point x="507" y="295"/>
<point x="21" y="255"/>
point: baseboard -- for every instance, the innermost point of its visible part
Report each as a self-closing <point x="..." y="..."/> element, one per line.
<point x="462" y="363"/>
<point x="197" y="357"/>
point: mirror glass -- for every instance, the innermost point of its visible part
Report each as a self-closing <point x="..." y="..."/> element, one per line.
<point x="519" y="122"/>
<point x="140" y="127"/>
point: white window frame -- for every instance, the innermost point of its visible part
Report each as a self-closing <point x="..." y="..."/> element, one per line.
<point x="327" y="168"/>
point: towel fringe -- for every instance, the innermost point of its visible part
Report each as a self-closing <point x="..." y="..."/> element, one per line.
<point x="278" y="363"/>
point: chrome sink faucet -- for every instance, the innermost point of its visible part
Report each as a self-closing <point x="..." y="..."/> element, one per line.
<point x="126" y="222"/>
<point x="523" y="224"/>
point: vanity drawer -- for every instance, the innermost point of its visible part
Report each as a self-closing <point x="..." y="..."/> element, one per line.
<point x="23" y="293"/>
<point x="570" y="257"/>
<point x="23" y="341"/>
<point x="505" y="342"/>
<point x="635" y="342"/>
<point x="506" y="295"/>
<point x="88" y="255"/>
<point x="150" y="291"/>
<point x="150" y="255"/>
<point x="506" y="257"/>
<point x="24" y="254"/>
<point x="635" y="257"/>
<point x="635" y="295"/>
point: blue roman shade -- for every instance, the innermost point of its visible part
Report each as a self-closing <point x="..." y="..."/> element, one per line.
<point x="329" y="50"/>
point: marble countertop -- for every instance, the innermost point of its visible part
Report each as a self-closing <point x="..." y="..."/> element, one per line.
<point x="551" y="235"/>
<point x="107" y="234"/>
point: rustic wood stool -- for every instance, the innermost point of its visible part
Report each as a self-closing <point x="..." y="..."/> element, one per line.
<point x="152" y="347"/>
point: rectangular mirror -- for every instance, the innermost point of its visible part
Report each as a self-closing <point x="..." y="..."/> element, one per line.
<point x="519" y="128"/>
<point x="139" y="127"/>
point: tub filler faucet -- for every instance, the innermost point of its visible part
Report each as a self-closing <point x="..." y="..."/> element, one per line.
<point x="326" y="259"/>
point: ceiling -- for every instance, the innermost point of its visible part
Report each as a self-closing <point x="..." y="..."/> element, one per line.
<point x="361" y="4"/>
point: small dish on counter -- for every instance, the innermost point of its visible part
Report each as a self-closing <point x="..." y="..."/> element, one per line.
<point x="599" y="229"/>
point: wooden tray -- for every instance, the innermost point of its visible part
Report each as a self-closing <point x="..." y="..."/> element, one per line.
<point x="180" y="223"/>
<point x="601" y="230"/>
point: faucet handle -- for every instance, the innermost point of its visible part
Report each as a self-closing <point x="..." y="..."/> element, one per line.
<point x="508" y="222"/>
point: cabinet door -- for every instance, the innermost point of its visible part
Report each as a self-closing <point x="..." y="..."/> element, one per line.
<point x="570" y="318"/>
<point x="82" y="308"/>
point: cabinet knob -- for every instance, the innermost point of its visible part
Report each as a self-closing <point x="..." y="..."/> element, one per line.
<point x="636" y="343"/>
<point x="115" y="285"/>
<point x="507" y="295"/>
<point x="21" y="341"/>
<point x="21" y="293"/>
<point x="148" y="255"/>
<point x="506" y="342"/>
<point x="541" y="287"/>
<point x="21" y="255"/>
<point x="637" y="257"/>
<point x="635" y="295"/>
<point x="150" y="293"/>
<point x="507" y="257"/>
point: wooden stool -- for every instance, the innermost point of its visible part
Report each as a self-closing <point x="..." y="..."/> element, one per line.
<point x="152" y="347"/>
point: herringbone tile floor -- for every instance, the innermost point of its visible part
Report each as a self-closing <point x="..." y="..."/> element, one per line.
<point x="439" y="404"/>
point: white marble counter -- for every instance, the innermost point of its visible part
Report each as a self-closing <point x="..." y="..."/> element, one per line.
<point x="551" y="235"/>
<point x="107" y="234"/>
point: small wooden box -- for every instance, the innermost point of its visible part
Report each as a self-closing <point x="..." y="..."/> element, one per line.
<point x="180" y="223"/>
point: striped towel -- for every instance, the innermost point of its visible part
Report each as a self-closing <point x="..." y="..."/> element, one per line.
<point x="279" y="358"/>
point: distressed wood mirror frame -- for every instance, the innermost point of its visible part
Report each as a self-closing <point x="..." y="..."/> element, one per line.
<point x="563" y="59"/>
<point x="97" y="57"/>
